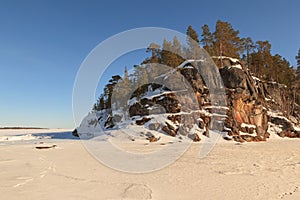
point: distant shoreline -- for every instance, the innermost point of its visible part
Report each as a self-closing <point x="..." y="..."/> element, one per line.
<point x="16" y="128"/>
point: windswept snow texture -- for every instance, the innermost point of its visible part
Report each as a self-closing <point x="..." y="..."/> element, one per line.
<point x="11" y="136"/>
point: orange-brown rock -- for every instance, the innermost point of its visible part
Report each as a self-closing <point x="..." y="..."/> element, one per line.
<point x="153" y="139"/>
<point x="196" y="138"/>
<point x="169" y="131"/>
<point x="206" y="132"/>
<point x="142" y="121"/>
<point x="238" y="139"/>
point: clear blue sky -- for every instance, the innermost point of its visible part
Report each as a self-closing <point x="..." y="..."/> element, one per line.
<point x="42" y="43"/>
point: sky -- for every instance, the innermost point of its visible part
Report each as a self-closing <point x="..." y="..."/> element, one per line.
<point x="43" y="43"/>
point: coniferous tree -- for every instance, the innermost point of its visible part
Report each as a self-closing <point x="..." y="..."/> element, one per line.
<point x="140" y="78"/>
<point x="100" y="104"/>
<point x="298" y="62"/>
<point x="122" y="92"/>
<point x="207" y="40"/>
<point x="109" y="89"/>
<point x="178" y="52"/>
<point x="295" y="86"/>
<point x="247" y="47"/>
<point x="262" y="59"/>
<point x="227" y="40"/>
<point x="192" y="34"/>
<point x="166" y="53"/>
<point x="193" y="41"/>
<point x="276" y="71"/>
<point x="104" y="101"/>
<point x="281" y="71"/>
<point x="155" y="53"/>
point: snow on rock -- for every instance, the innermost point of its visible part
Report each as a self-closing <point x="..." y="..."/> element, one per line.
<point x="132" y="101"/>
<point x="156" y="93"/>
<point x="248" y="115"/>
<point x="268" y="99"/>
<point x="275" y="114"/>
<point x="296" y="128"/>
<point x="229" y="62"/>
<point x="236" y="66"/>
<point x="256" y="79"/>
<point x="282" y="126"/>
<point x="188" y="67"/>
<point x="23" y="137"/>
<point x="90" y="124"/>
<point x="233" y="60"/>
<point x="243" y="125"/>
<point x="274" y="130"/>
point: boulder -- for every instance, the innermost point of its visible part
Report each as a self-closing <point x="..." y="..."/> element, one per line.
<point x="169" y="131"/>
<point x="233" y="78"/>
<point x="206" y="132"/>
<point x="247" y="138"/>
<point x="109" y="123"/>
<point x="195" y="137"/>
<point x="238" y="139"/>
<point x="75" y="133"/>
<point x="154" y="126"/>
<point x="174" y="118"/>
<point x="282" y="121"/>
<point x="227" y="138"/>
<point x="142" y="121"/>
<point x="171" y="126"/>
<point x="182" y="130"/>
<point x="251" y="130"/>
<point x="153" y="139"/>
<point x="267" y="135"/>
<point x="289" y="133"/>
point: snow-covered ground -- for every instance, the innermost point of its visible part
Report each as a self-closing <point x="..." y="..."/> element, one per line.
<point x="266" y="170"/>
<point x="12" y="136"/>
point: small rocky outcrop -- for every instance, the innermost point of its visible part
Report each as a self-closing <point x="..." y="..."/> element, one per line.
<point x="142" y="121"/>
<point x="75" y="133"/>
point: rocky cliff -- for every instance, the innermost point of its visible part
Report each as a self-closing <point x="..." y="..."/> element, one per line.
<point x="251" y="110"/>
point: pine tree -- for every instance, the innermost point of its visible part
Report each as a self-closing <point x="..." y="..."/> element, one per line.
<point x="287" y="73"/>
<point x="296" y="83"/>
<point x="123" y="90"/>
<point x="207" y="40"/>
<point x="155" y="53"/>
<point x="247" y="47"/>
<point x="177" y="46"/>
<point x="178" y="57"/>
<point x="276" y="71"/>
<point x="100" y="104"/>
<point x="104" y="101"/>
<point x="141" y="78"/>
<point x="166" y="53"/>
<point x="109" y="89"/>
<point x="264" y="59"/>
<point x="298" y="62"/>
<point x="256" y="63"/>
<point x="227" y="40"/>
<point x="193" y="51"/>
<point x="192" y="34"/>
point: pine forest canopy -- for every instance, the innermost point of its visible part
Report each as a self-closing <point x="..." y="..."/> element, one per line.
<point x="224" y="41"/>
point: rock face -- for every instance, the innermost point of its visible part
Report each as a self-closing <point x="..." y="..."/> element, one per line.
<point x="259" y="103"/>
<point x="248" y="114"/>
<point x="181" y="111"/>
<point x="245" y="110"/>
<point x="252" y="103"/>
<point x="167" y="102"/>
